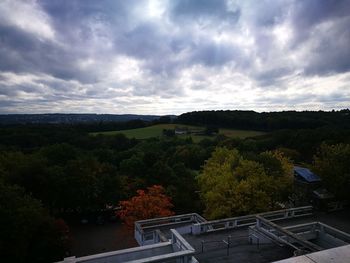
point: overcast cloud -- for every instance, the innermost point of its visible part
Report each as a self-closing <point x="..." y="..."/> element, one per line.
<point x="170" y="57"/>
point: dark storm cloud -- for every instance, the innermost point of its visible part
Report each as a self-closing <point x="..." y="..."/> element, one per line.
<point x="330" y="52"/>
<point x="22" y="52"/>
<point x="215" y="54"/>
<point x="308" y="14"/>
<point x="202" y="10"/>
<point x="15" y="44"/>
<point x="272" y="77"/>
<point x="73" y="13"/>
<point x="8" y="91"/>
<point x="105" y="49"/>
<point x="305" y="98"/>
<point x="144" y="42"/>
<point x="268" y="13"/>
<point x="324" y="26"/>
<point x="6" y="105"/>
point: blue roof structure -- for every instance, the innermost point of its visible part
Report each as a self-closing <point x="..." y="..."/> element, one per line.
<point x="306" y="174"/>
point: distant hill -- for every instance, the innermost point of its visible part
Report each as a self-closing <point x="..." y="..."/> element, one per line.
<point x="267" y="121"/>
<point x="57" y="118"/>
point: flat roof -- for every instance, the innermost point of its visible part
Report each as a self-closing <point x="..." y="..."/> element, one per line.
<point x="233" y="244"/>
<point x="240" y="250"/>
<point x="334" y="255"/>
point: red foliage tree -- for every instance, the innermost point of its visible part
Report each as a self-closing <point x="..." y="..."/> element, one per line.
<point x="146" y="204"/>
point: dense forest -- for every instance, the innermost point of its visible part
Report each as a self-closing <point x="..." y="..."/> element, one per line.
<point x="51" y="173"/>
<point x="268" y="121"/>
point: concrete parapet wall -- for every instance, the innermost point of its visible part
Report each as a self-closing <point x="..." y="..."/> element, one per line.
<point x="184" y="229"/>
<point x="125" y="255"/>
<point x="178" y="250"/>
<point x="145" y="230"/>
<point x="178" y="242"/>
<point x="198" y="225"/>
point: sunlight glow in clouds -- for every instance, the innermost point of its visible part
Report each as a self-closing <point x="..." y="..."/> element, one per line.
<point x="155" y="8"/>
<point x="173" y="56"/>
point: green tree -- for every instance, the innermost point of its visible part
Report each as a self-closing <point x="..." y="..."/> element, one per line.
<point x="59" y="154"/>
<point x="191" y="155"/>
<point x="331" y="163"/>
<point x="27" y="232"/>
<point x="231" y="185"/>
<point x="183" y="188"/>
<point x="29" y="171"/>
<point x="280" y="168"/>
<point x="133" y="166"/>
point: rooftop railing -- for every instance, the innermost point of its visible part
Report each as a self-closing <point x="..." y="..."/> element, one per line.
<point x="249" y="220"/>
<point x="176" y="250"/>
<point x="282" y="235"/>
<point x="145" y="230"/>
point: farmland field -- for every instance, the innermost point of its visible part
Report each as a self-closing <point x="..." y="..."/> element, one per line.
<point x="157" y="131"/>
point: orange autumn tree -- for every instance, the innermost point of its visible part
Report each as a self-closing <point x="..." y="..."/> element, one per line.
<point x="149" y="203"/>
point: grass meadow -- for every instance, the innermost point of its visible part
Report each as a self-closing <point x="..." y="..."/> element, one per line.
<point x="157" y="131"/>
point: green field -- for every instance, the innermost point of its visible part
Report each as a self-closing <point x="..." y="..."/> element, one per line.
<point x="157" y="131"/>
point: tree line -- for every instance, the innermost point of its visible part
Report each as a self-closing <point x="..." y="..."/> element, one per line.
<point x="268" y="121"/>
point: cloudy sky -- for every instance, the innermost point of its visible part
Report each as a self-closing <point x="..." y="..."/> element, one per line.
<point x="170" y="57"/>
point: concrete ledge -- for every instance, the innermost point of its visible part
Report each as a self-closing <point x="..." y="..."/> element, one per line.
<point x="249" y="220"/>
<point x="334" y="255"/>
<point x="118" y="253"/>
<point x="163" y="258"/>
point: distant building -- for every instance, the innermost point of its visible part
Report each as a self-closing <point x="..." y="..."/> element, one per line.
<point x="324" y="200"/>
<point x="305" y="182"/>
<point x="181" y="131"/>
<point x="308" y="189"/>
